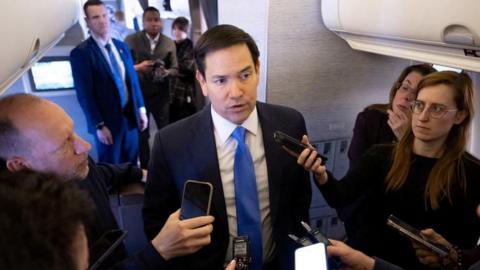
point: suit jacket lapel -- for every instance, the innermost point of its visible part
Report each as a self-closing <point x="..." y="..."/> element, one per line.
<point x="121" y="51"/>
<point x="99" y="55"/>
<point x="204" y="147"/>
<point x="146" y="42"/>
<point x="272" y="152"/>
<point x="124" y="57"/>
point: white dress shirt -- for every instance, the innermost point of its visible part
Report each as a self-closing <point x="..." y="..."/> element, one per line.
<point x="226" y="146"/>
<point x="101" y="43"/>
<point x="153" y="41"/>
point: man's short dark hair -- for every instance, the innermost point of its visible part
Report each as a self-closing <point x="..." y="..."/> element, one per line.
<point x="221" y="37"/>
<point x="181" y="23"/>
<point x="40" y="218"/>
<point x="91" y="3"/>
<point x="150" y="9"/>
<point x="12" y="141"/>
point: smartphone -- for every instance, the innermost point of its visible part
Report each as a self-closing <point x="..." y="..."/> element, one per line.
<point x="104" y="246"/>
<point x="414" y="234"/>
<point x="317" y="237"/>
<point x="315" y="234"/>
<point x="312" y="257"/>
<point x="303" y="242"/>
<point x="196" y="199"/>
<point x="294" y="144"/>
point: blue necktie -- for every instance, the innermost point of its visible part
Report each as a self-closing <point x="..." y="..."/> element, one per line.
<point x="117" y="77"/>
<point x="246" y="199"/>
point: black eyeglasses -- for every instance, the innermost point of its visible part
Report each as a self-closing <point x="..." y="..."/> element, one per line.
<point x="435" y="110"/>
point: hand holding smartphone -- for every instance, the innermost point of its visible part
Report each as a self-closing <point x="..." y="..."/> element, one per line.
<point x="414" y="234"/>
<point x="312" y="257"/>
<point x="196" y="199"/>
<point x="294" y="144"/>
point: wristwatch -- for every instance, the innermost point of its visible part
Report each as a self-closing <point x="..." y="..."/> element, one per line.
<point x="100" y="125"/>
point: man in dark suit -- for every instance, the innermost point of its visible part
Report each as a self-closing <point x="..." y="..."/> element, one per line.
<point x="108" y="89"/>
<point x="155" y="61"/>
<point x="203" y="147"/>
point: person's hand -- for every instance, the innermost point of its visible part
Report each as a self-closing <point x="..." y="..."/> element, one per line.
<point x="182" y="237"/>
<point x="398" y="122"/>
<point x="427" y="256"/>
<point x="308" y="160"/>
<point x="352" y="259"/>
<point x="143" y="121"/>
<point x="105" y="136"/>
<point x="231" y="265"/>
<point x="144" y="66"/>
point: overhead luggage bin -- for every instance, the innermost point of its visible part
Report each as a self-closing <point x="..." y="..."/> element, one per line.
<point x="440" y="32"/>
<point x="28" y="30"/>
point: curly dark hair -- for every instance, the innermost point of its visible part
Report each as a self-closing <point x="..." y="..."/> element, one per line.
<point x="40" y="217"/>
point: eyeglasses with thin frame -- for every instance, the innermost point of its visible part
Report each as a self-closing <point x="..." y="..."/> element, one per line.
<point x="435" y="110"/>
<point x="407" y="88"/>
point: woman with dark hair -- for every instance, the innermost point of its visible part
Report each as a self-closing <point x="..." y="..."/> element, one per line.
<point x="427" y="179"/>
<point x="182" y="86"/>
<point x="386" y="123"/>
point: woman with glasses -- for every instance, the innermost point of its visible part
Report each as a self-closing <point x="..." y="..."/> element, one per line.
<point x="379" y="123"/>
<point x="386" y="123"/>
<point x="427" y="179"/>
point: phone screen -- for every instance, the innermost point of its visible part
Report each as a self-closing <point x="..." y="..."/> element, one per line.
<point x="196" y="199"/>
<point x="293" y="144"/>
<point x="312" y="257"/>
<point x="289" y="142"/>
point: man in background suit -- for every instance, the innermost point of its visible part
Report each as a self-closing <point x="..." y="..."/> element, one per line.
<point x="108" y="89"/>
<point x="155" y="61"/>
<point x="202" y="148"/>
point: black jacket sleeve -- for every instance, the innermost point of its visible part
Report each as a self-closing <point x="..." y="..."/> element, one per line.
<point x="117" y="175"/>
<point x="369" y="173"/>
<point x="147" y="259"/>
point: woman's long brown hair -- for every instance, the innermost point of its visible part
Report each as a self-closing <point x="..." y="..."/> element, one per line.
<point x="449" y="169"/>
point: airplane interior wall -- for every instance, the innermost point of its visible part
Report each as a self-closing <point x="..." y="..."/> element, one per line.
<point x="316" y="72"/>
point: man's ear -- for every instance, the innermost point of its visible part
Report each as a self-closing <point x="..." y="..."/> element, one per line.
<point x="16" y="164"/>
<point x="203" y="83"/>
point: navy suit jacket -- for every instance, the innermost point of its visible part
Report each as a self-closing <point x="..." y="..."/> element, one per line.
<point x="186" y="150"/>
<point x="96" y="91"/>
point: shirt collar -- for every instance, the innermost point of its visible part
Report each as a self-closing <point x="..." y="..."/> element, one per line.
<point x="155" y="39"/>
<point x="224" y="128"/>
<point x="101" y="42"/>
